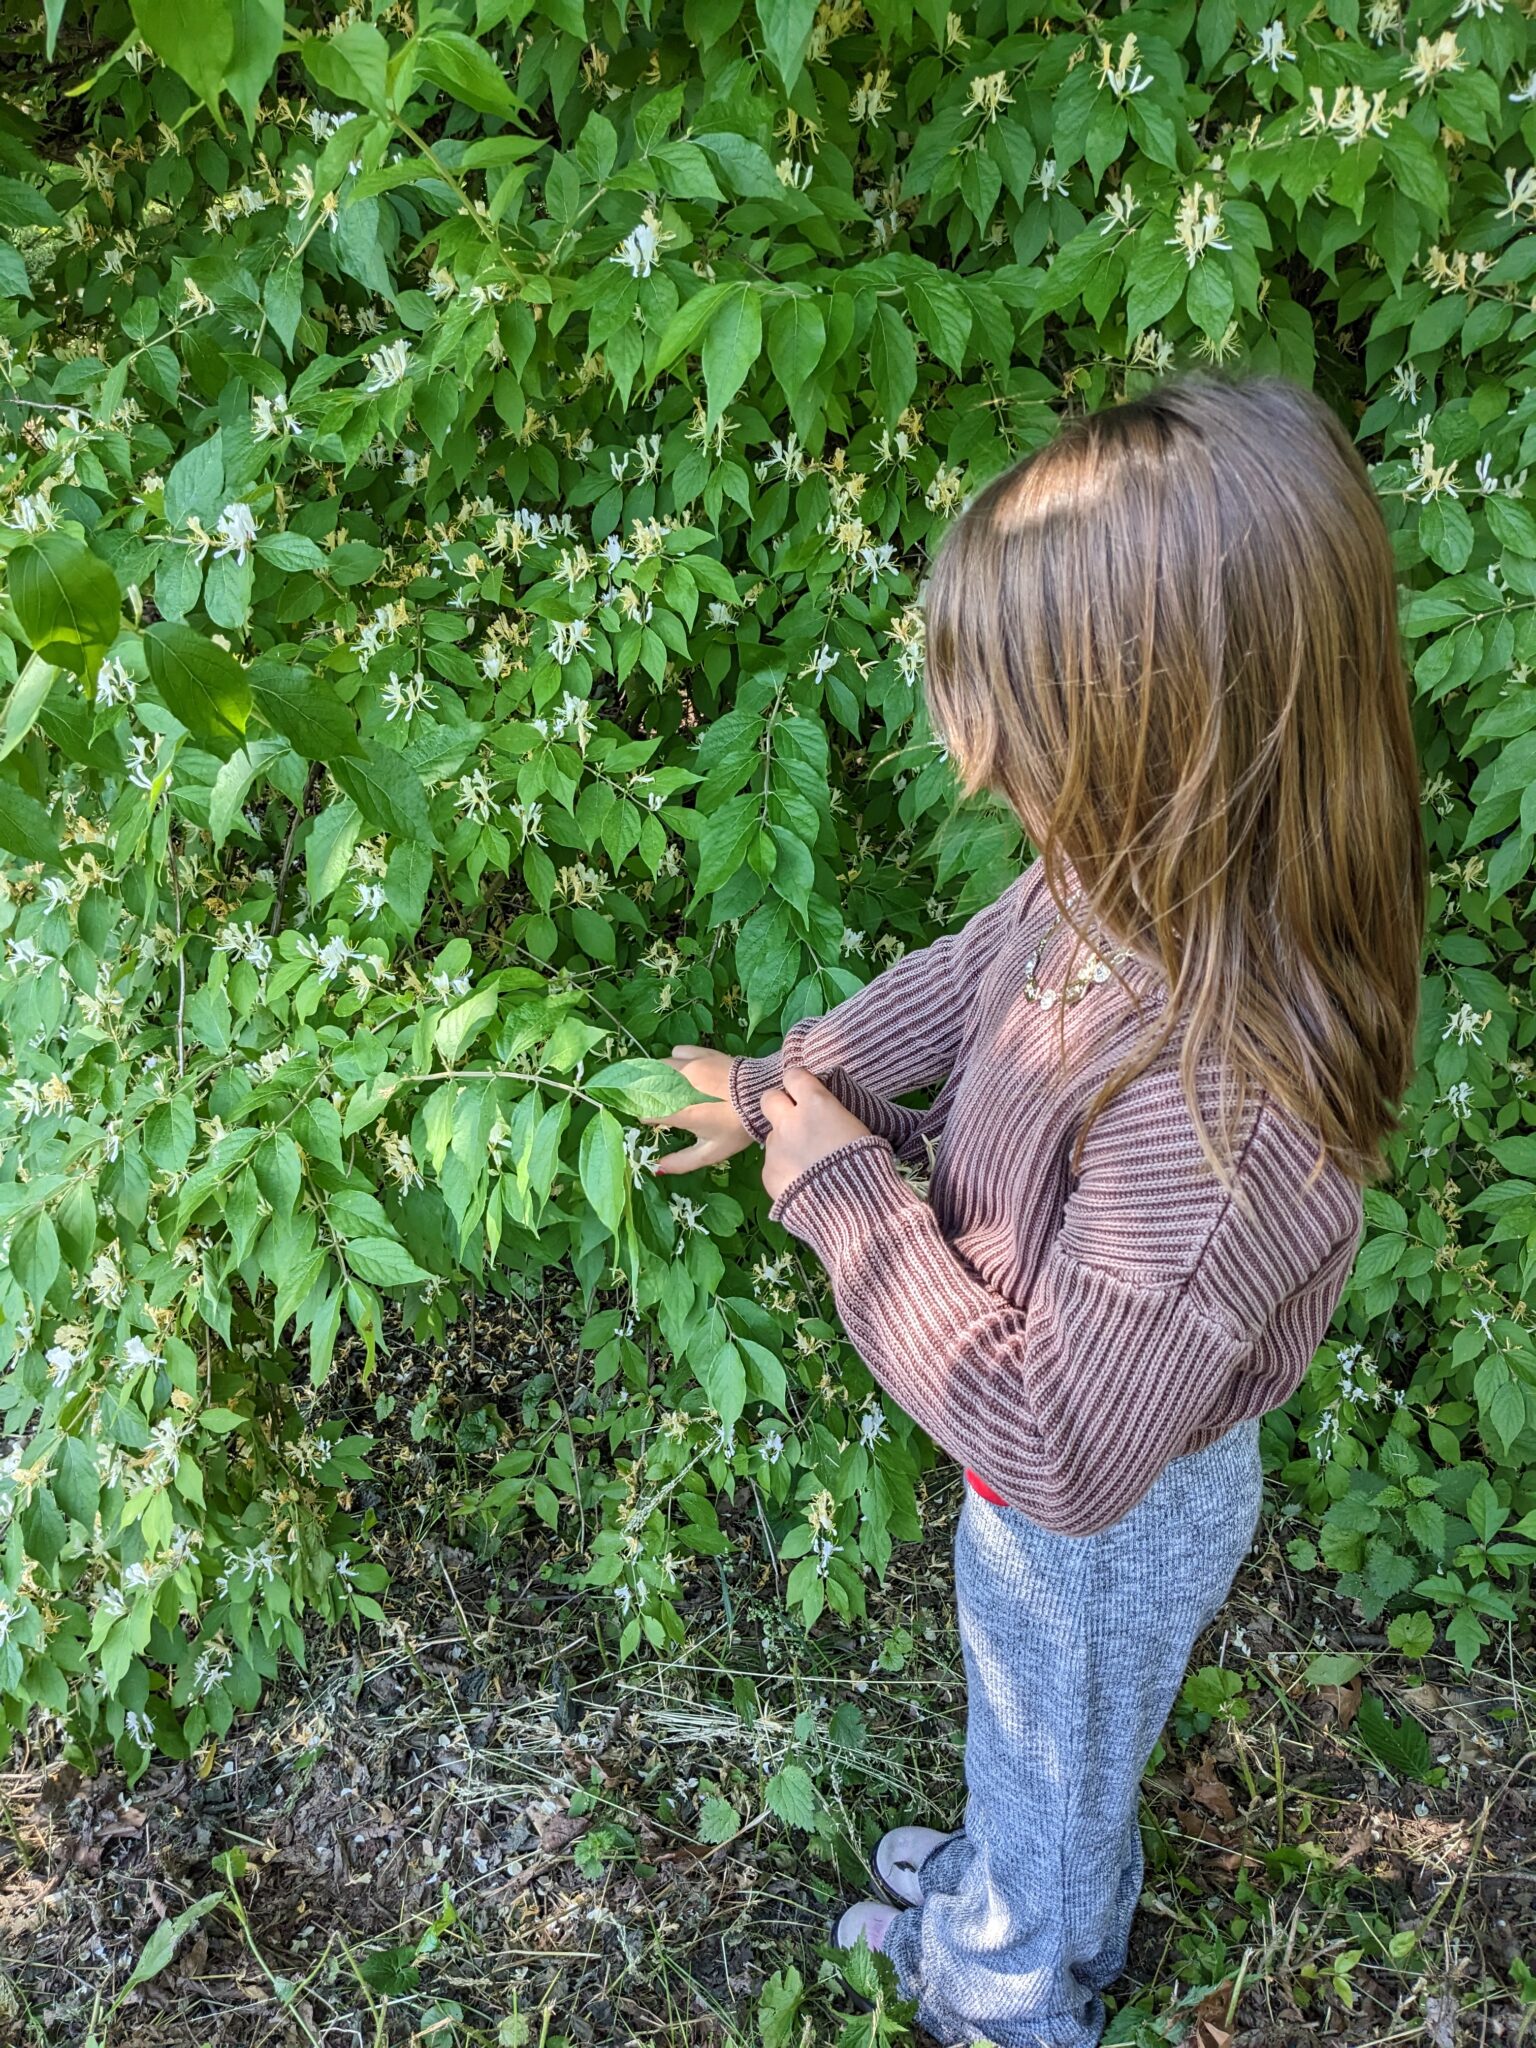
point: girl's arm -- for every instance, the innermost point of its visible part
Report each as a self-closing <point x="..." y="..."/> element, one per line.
<point x="1071" y="1403"/>
<point x="902" y="1030"/>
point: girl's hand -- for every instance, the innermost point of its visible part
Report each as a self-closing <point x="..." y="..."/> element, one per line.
<point x="718" y="1132"/>
<point x="807" y="1123"/>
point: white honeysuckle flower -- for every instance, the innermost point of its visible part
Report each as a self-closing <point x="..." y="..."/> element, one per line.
<point x="1432" y="60"/>
<point x="114" y="685"/>
<point x="409" y="697"/>
<point x="477" y="797"/>
<point x="271" y="416"/>
<point x="689" y="1216"/>
<point x="1384" y="19"/>
<point x="323" y="125"/>
<point x="143" y="772"/>
<point x="1429" y="479"/>
<point x="1050" y="178"/>
<point x="1271" y="48"/>
<point x="235" y="533"/>
<point x="1468" y="1025"/>
<point x="1349" y="118"/>
<point x="871" y="101"/>
<point x="771" y="1449"/>
<point x="1521" y="187"/>
<point x="370" y="899"/>
<point x="1406" y="381"/>
<point x="988" y="96"/>
<point x="389" y="365"/>
<point x="872" y="1428"/>
<point x="1458" y="1099"/>
<point x="566" y="637"/>
<point x="1478" y="8"/>
<point x="1197" y="224"/>
<point x="23" y="956"/>
<point x="1525" y="95"/>
<point x="332" y="956"/>
<point x="641" y="246"/>
<point x="1123" y="75"/>
<point x="1118" y="209"/>
<point x="529" y="816"/>
<point x="247" y="943"/>
<point x="32" y="514"/>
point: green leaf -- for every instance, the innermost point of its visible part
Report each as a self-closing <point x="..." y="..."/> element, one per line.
<point x="604" y="1168"/>
<point x="291" y="551"/>
<point x="723" y="1376"/>
<point x="161" y="1947"/>
<point x="465" y="71"/>
<point x="197" y="42"/>
<point x="718" y="1820"/>
<point x="258" y="36"/>
<point x="892" y="363"/>
<point x="1400" y="1747"/>
<point x="66" y="600"/>
<point x="35" y="1255"/>
<point x="199" y="683"/>
<point x="353" y="64"/>
<point x="1333" y="1667"/>
<point x="458" y="1027"/>
<point x="941" y="315"/>
<point x="26" y="700"/>
<point x="25" y="827"/>
<point x="233" y="782"/>
<point x="387" y="792"/>
<point x="643" y="1088"/>
<point x="732" y="344"/>
<point x="786" y="26"/>
<point x="797" y="334"/>
<point x="791" y="1795"/>
<point x="686" y="324"/>
<point x="300" y="705"/>
<point x="384" y="1262"/>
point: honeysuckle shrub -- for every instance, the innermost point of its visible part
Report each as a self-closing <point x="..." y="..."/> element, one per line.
<point x="465" y="486"/>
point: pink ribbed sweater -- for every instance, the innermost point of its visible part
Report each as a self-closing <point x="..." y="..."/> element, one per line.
<point x="1063" y="1337"/>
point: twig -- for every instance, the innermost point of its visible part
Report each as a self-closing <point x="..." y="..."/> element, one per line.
<point x="300" y="813"/>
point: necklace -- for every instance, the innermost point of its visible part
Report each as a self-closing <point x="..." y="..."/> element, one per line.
<point x="1096" y="968"/>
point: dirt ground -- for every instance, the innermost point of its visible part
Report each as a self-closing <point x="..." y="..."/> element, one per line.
<point x="477" y="1828"/>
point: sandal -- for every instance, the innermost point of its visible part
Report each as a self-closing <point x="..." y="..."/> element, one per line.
<point x="899" y="1856"/>
<point x="868" y="1918"/>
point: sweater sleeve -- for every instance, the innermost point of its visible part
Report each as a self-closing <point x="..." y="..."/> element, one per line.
<point x="1070" y="1403"/>
<point x="902" y="1030"/>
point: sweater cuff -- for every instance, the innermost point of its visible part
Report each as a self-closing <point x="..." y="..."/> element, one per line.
<point x="832" y="1204"/>
<point x="747" y="1083"/>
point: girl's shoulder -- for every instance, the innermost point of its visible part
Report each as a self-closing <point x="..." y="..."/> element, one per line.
<point x="1150" y="1198"/>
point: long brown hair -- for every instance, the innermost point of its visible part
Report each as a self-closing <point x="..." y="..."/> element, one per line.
<point x="1168" y="639"/>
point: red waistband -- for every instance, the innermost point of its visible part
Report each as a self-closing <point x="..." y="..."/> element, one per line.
<point x="981" y="1487"/>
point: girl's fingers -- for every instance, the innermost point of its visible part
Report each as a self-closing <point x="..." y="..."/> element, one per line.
<point x="679" y="1117"/>
<point x="773" y="1102"/>
<point x="686" y="1160"/>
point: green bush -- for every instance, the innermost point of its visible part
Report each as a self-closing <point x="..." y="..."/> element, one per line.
<point x="466" y="484"/>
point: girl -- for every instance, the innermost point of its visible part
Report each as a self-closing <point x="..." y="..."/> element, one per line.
<point x="1169" y="1052"/>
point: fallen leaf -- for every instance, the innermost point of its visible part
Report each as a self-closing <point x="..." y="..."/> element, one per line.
<point x="1210" y="2028"/>
<point x="1344" y="1700"/>
<point x="1207" y="1790"/>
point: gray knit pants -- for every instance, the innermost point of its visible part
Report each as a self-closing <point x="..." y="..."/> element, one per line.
<point x="1075" y="1648"/>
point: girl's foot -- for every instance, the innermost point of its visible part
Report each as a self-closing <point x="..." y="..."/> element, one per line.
<point x="900" y="1855"/>
<point x="868" y="1918"/>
